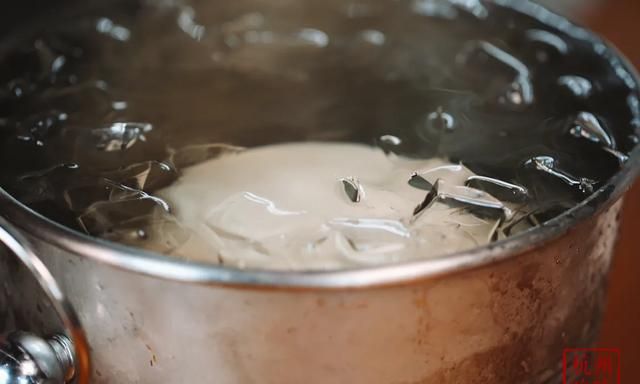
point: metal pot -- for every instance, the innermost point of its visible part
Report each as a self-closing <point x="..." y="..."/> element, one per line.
<point x="497" y="314"/>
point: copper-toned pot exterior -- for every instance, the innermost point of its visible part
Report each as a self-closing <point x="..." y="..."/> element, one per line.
<point x="505" y="322"/>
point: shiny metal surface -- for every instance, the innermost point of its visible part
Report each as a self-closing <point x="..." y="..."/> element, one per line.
<point x="28" y="359"/>
<point x="504" y="322"/>
<point x="64" y="348"/>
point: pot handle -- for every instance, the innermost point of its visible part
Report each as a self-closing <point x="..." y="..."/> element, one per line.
<point x="29" y="359"/>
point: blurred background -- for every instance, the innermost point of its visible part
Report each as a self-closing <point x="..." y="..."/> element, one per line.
<point x="619" y="22"/>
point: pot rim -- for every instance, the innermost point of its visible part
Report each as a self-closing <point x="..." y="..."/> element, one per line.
<point x="175" y="269"/>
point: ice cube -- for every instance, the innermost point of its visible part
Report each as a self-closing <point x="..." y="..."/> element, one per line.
<point x="481" y="57"/>
<point x="104" y="217"/>
<point x="500" y="189"/>
<point x="547" y="165"/>
<point x="156" y="232"/>
<point x="146" y="176"/>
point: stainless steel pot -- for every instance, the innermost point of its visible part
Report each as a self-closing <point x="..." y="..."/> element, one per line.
<point x="112" y="314"/>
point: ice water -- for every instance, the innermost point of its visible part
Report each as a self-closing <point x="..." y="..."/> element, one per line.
<point x="104" y="108"/>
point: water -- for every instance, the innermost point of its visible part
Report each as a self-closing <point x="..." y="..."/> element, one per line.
<point x="102" y="107"/>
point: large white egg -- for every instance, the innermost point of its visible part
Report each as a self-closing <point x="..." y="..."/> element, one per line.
<point x="291" y="206"/>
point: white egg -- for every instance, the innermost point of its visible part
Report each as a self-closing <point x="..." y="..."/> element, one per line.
<point x="294" y="206"/>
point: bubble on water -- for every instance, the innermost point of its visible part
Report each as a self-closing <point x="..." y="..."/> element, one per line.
<point x="58" y="63"/>
<point x="50" y="62"/>
<point x="500" y="189"/>
<point x="434" y="8"/>
<point x="186" y="22"/>
<point x="587" y="126"/>
<point x="479" y="55"/>
<point x="18" y="88"/>
<point x="577" y="85"/>
<point x="547" y="40"/>
<point x="109" y="28"/>
<point x="547" y="165"/>
<point x="120" y="136"/>
<point x="440" y="121"/>
<point x="101" y="85"/>
<point x="373" y="37"/>
<point x="390" y="140"/>
<point x="314" y="37"/>
<point x="475" y="7"/>
<point x="119" y="105"/>
<point x="194" y="154"/>
<point x="436" y="124"/>
<point x="389" y="143"/>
